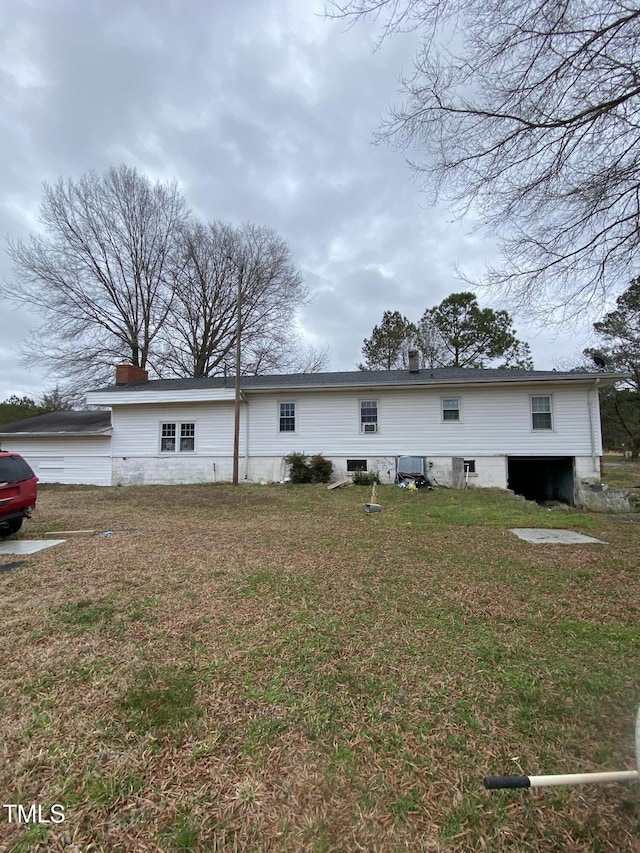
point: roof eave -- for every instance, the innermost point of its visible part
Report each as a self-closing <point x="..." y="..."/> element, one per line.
<point x="137" y="395"/>
<point x="53" y="434"/>
<point x="434" y="382"/>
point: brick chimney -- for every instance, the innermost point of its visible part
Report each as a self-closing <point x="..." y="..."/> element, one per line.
<point x="127" y="373"/>
<point x="414" y="362"/>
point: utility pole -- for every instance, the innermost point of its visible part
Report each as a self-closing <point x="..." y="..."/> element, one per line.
<point x="236" y="413"/>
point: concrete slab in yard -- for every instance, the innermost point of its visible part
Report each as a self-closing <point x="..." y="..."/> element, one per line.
<point x="541" y="536"/>
<point x="27" y="546"/>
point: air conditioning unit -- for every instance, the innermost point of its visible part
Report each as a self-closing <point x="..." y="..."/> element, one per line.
<point x="412" y="465"/>
<point x="370" y="427"/>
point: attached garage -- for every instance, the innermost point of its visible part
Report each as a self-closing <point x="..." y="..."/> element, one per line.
<point x="540" y="478"/>
<point x="63" y="447"/>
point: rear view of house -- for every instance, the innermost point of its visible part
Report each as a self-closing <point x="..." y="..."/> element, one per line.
<point x="537" y="432"/>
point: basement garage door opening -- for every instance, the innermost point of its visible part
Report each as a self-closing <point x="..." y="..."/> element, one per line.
<point x="542" y="479"/>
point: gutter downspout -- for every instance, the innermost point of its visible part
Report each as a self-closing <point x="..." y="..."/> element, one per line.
<point x="246" y="436"/>
<point x="592" y="412"/>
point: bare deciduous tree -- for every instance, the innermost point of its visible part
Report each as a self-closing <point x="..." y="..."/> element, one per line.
<point x="123" y="272"/>
<point x="289" y="354"/>
<point x="102" y="275"/>
<point x="200" y="330"/>
<point x="528" y="114"/>
<point x="272" y="289"/>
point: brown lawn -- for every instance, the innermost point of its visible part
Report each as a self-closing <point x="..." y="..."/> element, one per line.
<point x="271" y="668"/>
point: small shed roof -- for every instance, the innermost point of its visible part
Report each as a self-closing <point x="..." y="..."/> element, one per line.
<point x="61" y="423"/>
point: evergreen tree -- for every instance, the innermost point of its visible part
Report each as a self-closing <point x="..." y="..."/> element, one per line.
<point x="619" y="332"/>
<point x="389" y="344"/>
<point x="16" y="408"/>
<point x="458" y="333"/>
<point x="55" y="401"/>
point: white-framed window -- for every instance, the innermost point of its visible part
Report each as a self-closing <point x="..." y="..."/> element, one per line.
<point x="541" y="412"/>
<point x="168" y="438"/>
<point x="451" y="408"/>
<point x="177" y="437"/>
<point x="188" y="437"/>
<point x="287" y="417"/>
<point x="368" y="416"/>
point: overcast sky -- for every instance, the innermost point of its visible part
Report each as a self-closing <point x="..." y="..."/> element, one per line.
<point x="263" y="111"/>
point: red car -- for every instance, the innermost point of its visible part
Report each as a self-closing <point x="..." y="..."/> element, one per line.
<point x="18" y="492"/>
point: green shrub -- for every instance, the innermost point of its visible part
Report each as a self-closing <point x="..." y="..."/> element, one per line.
<point x="366" y="478"/>
<point x="321" y="468"/>
<point x="305" y="470"/>
<point x="298" y="464"/>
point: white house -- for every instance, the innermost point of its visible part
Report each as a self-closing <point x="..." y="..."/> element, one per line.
<point x="537" y="432"/>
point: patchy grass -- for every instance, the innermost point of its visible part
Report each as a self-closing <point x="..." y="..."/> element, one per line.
<point x="83" y="614"/>
<point x="159" y="699"/>
<point x="276" y="669"/>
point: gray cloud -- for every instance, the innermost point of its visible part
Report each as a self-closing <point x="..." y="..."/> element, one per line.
<point x="264" y="112"/>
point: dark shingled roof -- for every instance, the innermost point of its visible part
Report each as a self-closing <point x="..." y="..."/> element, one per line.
<point x="359" y="378"/>
<point x="61" y="423"/>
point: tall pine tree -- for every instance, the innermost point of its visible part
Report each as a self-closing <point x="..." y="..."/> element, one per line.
<point x="389" y="344"/>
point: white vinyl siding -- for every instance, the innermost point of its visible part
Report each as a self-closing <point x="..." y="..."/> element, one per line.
<point x="496" y="421"/>
<point x="137" y="429"/>
<point x="66" y="459"/>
